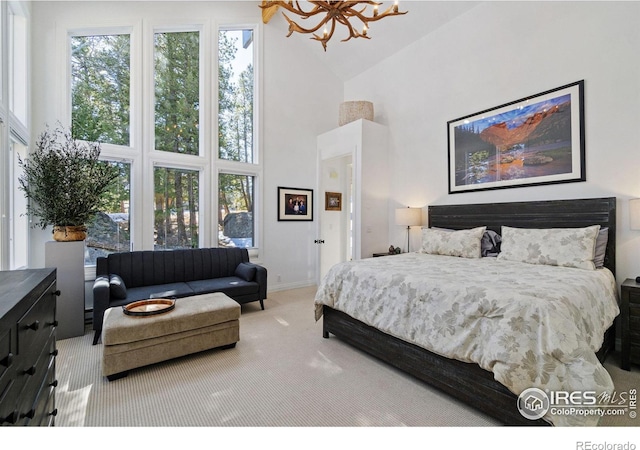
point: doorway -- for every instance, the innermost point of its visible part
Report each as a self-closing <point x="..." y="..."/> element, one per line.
<point x="336" y="225"/>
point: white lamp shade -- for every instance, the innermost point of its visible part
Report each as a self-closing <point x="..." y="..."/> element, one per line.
<point x="634" y="213"/>
<point x="408" y="217"/>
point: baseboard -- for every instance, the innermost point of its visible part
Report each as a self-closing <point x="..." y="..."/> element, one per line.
<point x="287" y="286"/>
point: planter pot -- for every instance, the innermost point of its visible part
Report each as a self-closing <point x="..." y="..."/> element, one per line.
<point x="69" y="233"/>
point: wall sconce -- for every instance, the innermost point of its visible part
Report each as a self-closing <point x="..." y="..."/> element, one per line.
<point x="409" y="217"/>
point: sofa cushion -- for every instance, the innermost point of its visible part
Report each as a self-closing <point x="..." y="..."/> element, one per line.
<point x="160" y="291"/>
<point x="232" y="286"/>
<point x="246" y="271"/>
<point x="117" y="288"/>
<point x="154" y="267"/>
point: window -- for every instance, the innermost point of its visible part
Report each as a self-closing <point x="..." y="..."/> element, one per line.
<point x="18" y="63"/>
<point x="100" y="88"/>
<point x="236" y="145"/>
<point x="235" y="217"/>
<point x="177" y="92"/>
<point x="14" y="132"/>
<point x="19" y="223"/>
<point x="110" y="231"/>
<point x="141" y="92"/>
<point x="176" y="208"/>
<point x="235" y="95"/>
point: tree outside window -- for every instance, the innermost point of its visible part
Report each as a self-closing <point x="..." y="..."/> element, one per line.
<point x="235" y="95"/>
<point x="177" y="92"/>
<point x="100" y="88"/>
<point x="235" y="216"/>
<point x="109" y="232"/>
<point x="175" y="208"/>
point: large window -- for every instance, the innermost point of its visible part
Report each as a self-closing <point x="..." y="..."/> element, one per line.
<point x="176" y="208"/>
<point x="144" y="97"/>
<point x="18" y="65"/>
<point x="235" y="95"/>
<point x="177" y="92"/>
<point x="19" y="223"/>
<point x="110" y="232"/>
<point x="14" y="132"/>
<point x="236" y="87"/>
<point x="235" y="216"/>
<point x="100" y="88"/>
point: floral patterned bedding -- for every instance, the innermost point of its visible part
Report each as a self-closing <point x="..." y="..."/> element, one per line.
<point x="531" y="325"/>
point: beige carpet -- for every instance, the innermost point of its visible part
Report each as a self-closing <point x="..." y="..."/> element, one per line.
<point x="282" y="373"/>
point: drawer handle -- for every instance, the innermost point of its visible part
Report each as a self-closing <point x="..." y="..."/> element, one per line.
<point x="8" y="360"/>
<point x="11" y="418"/>
<point x="31" y="370"/>
<point x="56" y="293"/>
<point x="34" y="326"/>
<point x="54" y="353"/>
<point x="54" y="384"/>
<point x="54" y="412"/>
<point x="29" y="415"/>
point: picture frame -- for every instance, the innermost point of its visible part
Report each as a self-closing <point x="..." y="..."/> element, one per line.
<point x="333" y="201"/>
<point x="295" y="204"/>
<point x="536" y="140"/>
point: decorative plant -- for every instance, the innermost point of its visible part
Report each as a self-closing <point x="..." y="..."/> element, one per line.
<point x="63" y="180"/>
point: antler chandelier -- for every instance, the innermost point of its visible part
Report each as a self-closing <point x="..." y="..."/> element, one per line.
<point x="330" y="13"/>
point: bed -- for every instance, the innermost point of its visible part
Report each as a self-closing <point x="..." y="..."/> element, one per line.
<point x="459" y="324"/>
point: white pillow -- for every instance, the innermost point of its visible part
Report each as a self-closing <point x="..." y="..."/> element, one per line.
<point x="463" y="243"/>
<point x="567" y="247"/>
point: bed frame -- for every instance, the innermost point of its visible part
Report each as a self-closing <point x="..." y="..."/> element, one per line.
<point x="468" y="382"/>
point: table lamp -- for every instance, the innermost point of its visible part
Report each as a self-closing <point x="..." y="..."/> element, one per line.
<point x="409" y="217"/>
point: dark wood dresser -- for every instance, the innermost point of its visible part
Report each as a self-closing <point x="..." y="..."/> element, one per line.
<point x="28" y="347"/>
<point x="630" y="322"/>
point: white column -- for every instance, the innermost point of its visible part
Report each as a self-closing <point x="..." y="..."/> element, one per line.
<point x="68" y="259"/>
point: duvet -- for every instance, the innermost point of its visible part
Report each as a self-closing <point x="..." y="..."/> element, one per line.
<point x="531" y="325"/>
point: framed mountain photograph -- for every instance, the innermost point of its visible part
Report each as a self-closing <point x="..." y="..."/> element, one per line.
<point x="532" y="141"/>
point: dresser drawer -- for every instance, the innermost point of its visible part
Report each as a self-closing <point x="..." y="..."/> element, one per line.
<point x="634" y="297"/>
<point x="35" y="326"/>
<point x="35" y="382"/>
<point x="45" y="400"/>
<point x="7" y="358"/>
<point x="9" y="403"/>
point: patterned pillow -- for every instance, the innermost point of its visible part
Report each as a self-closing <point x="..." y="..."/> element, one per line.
<point x="463" y="243"/>
<point x="567" y="247"/>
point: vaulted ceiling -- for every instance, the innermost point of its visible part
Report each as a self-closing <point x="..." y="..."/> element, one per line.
<point x="388" y="36"/>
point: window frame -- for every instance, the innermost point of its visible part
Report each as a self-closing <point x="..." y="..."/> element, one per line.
<point x="141" y="152"/>
<point x="12" y="128"/>
<point x="255" y="168"/>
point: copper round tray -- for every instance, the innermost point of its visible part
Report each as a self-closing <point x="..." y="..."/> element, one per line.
<point x="150" y="307"/>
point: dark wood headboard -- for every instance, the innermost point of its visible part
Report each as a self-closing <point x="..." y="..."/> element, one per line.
<point x="537" y="214"/>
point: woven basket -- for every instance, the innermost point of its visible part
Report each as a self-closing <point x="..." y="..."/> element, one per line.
<point x="69" y="233"/>
<point x="350" y="111"/>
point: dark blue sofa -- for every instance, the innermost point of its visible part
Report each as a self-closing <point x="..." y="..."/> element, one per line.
<point x="122" y="278"/>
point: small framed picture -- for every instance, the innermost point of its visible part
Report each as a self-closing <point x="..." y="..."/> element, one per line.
<point x="295" y="204"/>
<point x="333" y="201"/>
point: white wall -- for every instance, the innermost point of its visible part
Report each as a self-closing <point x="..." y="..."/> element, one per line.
<point x="500" y="52"/>
<point x="300" y="99"/>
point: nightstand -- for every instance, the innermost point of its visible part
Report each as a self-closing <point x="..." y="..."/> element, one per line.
<point x="630" y="322"/>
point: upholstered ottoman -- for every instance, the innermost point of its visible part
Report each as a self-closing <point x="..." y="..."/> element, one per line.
<point x="197" y="323"/>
